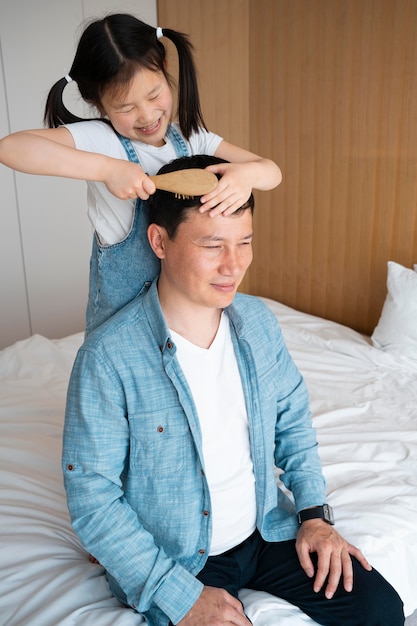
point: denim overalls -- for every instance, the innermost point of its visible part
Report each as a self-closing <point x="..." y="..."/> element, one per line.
<point x="121" y="271"/>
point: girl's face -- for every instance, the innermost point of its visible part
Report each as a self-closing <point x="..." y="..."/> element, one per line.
<point x="144" y="111"/>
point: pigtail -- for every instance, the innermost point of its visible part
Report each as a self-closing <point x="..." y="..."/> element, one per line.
<point x="190" y="116"/>
<point x="56" y="112"/>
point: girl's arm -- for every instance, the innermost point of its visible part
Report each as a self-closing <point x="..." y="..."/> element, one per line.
<point x="52" y="152"/>
<point x="245" y="172"/>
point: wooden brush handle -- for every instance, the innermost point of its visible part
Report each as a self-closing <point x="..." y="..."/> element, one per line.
<point x="192" y="182"/>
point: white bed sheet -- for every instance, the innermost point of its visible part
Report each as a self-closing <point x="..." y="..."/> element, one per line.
<point x="364" y="406"/>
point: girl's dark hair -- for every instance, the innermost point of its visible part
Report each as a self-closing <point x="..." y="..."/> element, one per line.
<point x="169" y="210"/>
<point x="109" y="53"/>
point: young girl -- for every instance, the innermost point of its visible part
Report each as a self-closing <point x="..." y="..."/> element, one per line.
<point x="120" y="70"/>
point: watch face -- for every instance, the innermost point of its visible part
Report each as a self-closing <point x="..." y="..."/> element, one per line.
<point x="328" y="513"/>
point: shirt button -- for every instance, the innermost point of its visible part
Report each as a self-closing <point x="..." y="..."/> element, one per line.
<point x="160" y="429"/>
<point x="169" y="345"/>
<point x="70" y="467"/>
<point x="201" y="551"/>
<point x="205" y="513"/>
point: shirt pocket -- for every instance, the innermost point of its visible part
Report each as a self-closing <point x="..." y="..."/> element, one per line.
<point x="160" y="442"/>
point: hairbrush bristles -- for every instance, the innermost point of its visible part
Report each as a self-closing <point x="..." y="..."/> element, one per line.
<point x="182" y="196"/>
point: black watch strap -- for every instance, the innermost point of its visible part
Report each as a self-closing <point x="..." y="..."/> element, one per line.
<point x="324" y="512"/>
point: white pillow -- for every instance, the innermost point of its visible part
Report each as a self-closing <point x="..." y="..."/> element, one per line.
<point x="396" y="330"/>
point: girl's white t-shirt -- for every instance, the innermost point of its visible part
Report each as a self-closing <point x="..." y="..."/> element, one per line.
<point x="213" y="377"/>
<point x="110" y="216"/>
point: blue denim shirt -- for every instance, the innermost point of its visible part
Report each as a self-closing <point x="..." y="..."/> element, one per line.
<point x="132" y="455"/>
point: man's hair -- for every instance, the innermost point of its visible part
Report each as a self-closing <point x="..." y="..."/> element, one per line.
<point x="168" y="210"/>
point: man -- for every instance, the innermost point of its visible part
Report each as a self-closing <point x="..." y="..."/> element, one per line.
<point x="178" y="408"/>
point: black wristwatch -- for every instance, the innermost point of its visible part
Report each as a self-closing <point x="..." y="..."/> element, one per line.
<point x="324" y="512"/>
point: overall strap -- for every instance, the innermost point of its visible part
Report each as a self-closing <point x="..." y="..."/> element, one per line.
<point x="129" y="149"/>
<point x="177" y="141"/>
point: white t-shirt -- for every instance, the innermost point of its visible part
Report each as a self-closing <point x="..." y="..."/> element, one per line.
<point x="215" y="383"/>
<point x="110" y="216"/>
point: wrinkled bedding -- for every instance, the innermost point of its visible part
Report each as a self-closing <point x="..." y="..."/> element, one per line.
<point x="364" y="404"/>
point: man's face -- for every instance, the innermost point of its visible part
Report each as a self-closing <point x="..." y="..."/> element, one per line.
<point x="205" y="263"/>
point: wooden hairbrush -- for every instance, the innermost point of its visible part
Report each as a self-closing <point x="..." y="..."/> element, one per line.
<point x="186" y="183"/>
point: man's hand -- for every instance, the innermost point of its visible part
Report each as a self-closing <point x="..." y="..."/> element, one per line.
<point x="215" y="607"/>
<point x="333" y="554"/>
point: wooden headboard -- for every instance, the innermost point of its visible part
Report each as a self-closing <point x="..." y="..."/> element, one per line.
<point x="328" y="90"/>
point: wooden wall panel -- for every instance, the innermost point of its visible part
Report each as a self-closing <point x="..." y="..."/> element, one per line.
<point x="332" y="98"/>
<point x="341" y="98"/>
<point x="219" y="31"/>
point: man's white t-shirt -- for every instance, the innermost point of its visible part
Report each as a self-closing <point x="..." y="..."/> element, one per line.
<point x="110" y="216"/>
<point x="213" y="377"/>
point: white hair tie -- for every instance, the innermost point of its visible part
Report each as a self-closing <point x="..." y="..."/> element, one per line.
<point x="159" y="32"/>
<point x="68" y="78"/>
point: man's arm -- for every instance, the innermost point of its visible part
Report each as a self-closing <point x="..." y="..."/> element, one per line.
<point x="297" y="455"/>
<point x="95" y="458"/>
<point x="296" y="448"/>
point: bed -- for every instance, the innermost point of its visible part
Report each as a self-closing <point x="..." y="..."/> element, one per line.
<point x="364" y="403"/>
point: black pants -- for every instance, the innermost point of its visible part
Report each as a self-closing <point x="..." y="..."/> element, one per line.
<point x="275" y="568"/>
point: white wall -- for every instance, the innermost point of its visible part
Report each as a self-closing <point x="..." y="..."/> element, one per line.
<point x="45" y="236"/>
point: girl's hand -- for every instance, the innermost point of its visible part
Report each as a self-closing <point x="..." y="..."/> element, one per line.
<point x="232" y="190"/>
<point x="125" y="179"/>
